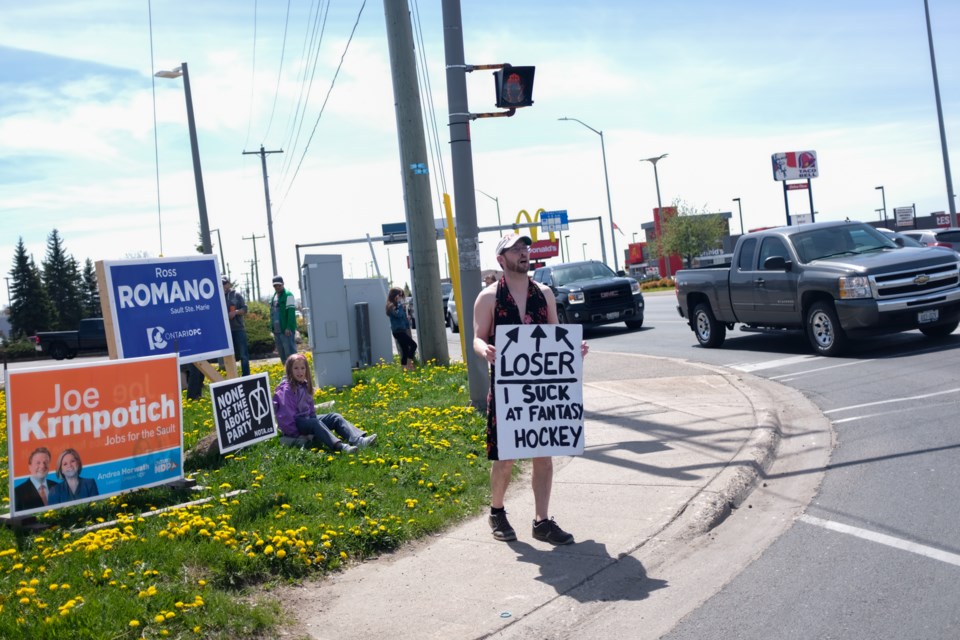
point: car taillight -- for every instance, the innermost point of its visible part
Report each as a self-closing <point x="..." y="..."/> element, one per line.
<point x="948" y="245"/>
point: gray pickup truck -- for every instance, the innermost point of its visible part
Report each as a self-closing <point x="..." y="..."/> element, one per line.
<point x="834" y="280"/>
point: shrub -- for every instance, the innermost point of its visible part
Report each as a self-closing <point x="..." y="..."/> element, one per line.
<point x="22" y="349"/>
<point x="259" y="333"/>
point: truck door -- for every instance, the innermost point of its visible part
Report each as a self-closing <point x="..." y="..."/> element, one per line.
<point x="742" y="275"/>
<point x="776" y="291"/>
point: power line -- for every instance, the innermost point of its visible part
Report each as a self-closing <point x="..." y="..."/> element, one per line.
<point x="327" y="97"/>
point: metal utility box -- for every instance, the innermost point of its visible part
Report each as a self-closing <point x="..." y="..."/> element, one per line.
<point x="373" y="292"/>
<point x="338" y="343"/>
<point x="324" y="294"/>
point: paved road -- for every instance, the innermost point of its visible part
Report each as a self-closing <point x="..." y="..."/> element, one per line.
<point x="877" y="553"/>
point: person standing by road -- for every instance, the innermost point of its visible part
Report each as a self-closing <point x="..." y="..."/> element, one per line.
<point x="400" y="327"/>
<point x="283" y="319"/>
<point x="236" y="309"/>
<point x="515" y="299"/>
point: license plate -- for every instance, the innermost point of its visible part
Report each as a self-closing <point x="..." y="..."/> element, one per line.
<point x="613" y="315"/>
<point x="930" y="315"/>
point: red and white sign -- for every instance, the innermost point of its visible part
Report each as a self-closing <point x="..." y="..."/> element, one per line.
<point x="544" y="249"/>
<point x="795" y="165"/>
<point x="793" y="186"/>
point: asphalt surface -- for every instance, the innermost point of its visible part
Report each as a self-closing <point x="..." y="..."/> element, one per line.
<point x="672" y="448"/>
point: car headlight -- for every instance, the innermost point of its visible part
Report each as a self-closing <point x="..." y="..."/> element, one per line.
<point x="855" y="287"/>
<point x="575" y="297"/>
<point x="634" y="287"/>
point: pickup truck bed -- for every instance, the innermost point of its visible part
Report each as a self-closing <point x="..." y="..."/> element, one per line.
<point x="90" y="336"/>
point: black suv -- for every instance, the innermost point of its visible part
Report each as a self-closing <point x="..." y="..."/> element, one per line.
<point x="591" y="293"/>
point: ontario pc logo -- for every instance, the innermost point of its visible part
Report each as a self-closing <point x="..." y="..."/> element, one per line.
<point x="155" y="338"/>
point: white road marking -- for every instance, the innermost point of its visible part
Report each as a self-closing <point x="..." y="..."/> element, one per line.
<point x="790" y="376"/>
<point x="771" y="364"/>
<point x="923" y="396"/>
<point x="890" y="541"/>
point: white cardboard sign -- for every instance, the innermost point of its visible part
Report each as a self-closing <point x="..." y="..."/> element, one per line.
<point x="539" y="390"/>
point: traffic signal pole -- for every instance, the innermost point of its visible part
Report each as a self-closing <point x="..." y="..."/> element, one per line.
<point x="465" y="205"/>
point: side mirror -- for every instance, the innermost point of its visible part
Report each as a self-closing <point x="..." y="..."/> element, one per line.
<point x="622" y="273"/>
<point x="777" y="263"/>
<point x="898" y="241"/>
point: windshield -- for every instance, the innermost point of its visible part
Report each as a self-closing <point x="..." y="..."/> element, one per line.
<point x="847" y="240"/>
<point x="581" y="272"/>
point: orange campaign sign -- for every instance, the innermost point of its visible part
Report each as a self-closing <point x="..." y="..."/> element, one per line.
<point x="82" y="432"/>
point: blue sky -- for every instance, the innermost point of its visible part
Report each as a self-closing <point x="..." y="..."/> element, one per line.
<point x="717" y="86"/>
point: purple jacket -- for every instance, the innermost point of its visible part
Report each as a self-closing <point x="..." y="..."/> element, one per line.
<point x="289" y="403"/>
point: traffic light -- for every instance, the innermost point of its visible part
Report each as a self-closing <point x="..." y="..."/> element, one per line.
<point x="514" y="86"/>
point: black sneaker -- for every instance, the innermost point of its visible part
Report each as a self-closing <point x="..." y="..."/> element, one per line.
<point x="550" y="531"/>
<point x="501" y="528"/>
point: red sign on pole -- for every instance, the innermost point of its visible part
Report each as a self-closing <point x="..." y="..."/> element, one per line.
<point x="544" y="249"/>
<point x="794" y="186"/>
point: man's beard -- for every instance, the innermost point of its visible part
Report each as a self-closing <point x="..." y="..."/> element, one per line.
<point x="514" y="265"/>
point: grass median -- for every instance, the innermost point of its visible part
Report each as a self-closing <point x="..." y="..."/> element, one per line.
<point x="274" y="514"/>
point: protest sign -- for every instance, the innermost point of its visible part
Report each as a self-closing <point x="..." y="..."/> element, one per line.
<point x="242" y="411"/>
<point x="166" y="305"/>
<point x="539" y="390"/>
<point x="83" y="432"/>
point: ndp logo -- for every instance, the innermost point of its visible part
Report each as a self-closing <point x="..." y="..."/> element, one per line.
<point x="155" y="338"/>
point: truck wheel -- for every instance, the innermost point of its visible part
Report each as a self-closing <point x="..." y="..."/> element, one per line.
<point x="635" y="323"/>
<point x="709" y="332"/>
<point x="71" y="354"/>
<point x="561" y="315"/>
<point x="940" y="330"/>
<point x="58" y="351"/>
<point x="824" y="330"/>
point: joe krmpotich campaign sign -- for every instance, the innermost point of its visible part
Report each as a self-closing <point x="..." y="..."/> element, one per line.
<point x="242" y="411"/>
<point x="168" y="305"/>
<point x="539" y="390"/>
<point x="81" y="432"/>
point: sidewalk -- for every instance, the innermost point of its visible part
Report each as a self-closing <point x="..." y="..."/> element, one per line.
<point x="670" y="447"/>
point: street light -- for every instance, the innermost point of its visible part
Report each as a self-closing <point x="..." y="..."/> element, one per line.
<point x="606" y="179"/>
<point x="584" y="250"/>
<point x="943" y="133"/>
<point x="883" y="194"/>
<point x="656" y="178"/>
<point x="495" y="199"/>
<point x="566" y="241"/>
<point x="740" y="208"/>
<point x="197" y="173"/>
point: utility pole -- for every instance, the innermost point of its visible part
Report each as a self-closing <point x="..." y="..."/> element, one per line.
<point x="266" y="193"/>
<point x="465" y="203"/>
<point x="421" y="233"/>
<point x="256" y="264"/>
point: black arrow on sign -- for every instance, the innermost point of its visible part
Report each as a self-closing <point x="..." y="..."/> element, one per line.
<point x="513" y="334"/>
<point x="562" y="335"/>
<point x="539" y="334"/>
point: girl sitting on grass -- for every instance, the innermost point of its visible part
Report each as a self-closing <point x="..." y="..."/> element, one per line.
<point x="297" y="414"/>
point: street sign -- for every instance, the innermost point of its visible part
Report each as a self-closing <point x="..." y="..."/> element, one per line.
<point x="903" y="216"/>
<point x="396" y="232"/>
<point x="553" y="221"/>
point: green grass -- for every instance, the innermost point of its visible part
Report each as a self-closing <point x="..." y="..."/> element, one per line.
<point x="302" y="513"/>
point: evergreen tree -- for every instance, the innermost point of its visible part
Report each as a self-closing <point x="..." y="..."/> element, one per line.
<point x="90" y="292"/>
<point x="30" y="307"/>
<point x="62" y="281"/>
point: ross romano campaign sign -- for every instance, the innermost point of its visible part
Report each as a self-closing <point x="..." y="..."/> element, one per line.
<point x="81" y="432"/>
<point x="539" y="390"/>
<point x="242" y="411"/>
<point x="167" y="305"/>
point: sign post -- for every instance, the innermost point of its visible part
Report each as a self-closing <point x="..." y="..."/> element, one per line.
<point x="539" y="391"/>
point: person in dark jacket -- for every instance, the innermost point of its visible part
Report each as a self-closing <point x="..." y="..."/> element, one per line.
<point x="71" y="486"/>
<point x="400" y="327"/>
<point x="34" y="492"/>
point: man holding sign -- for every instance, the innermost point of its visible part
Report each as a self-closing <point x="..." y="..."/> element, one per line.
<point x="515" y="300"/>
